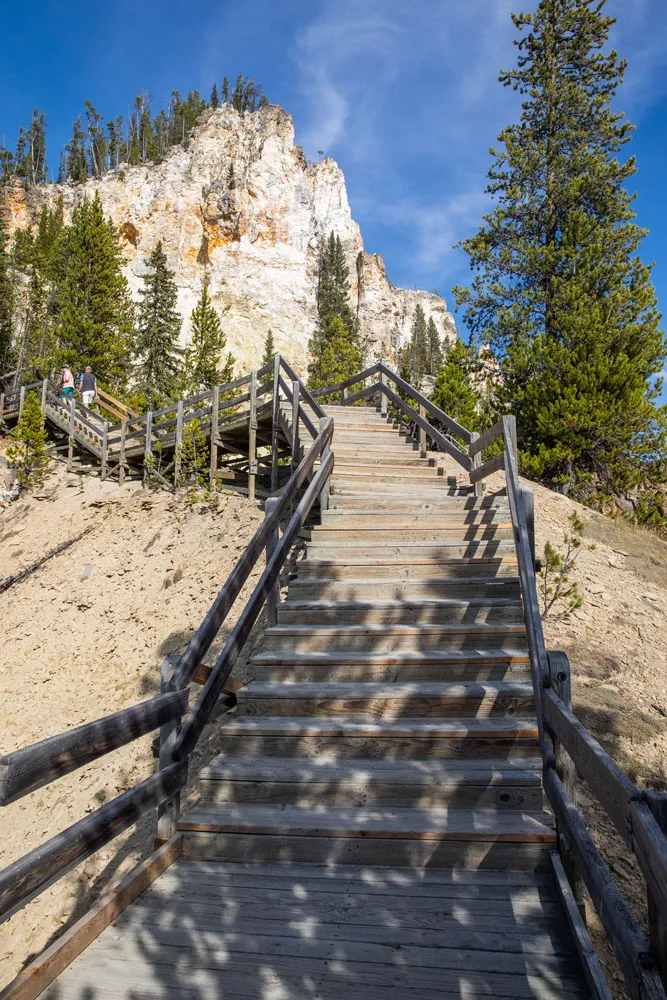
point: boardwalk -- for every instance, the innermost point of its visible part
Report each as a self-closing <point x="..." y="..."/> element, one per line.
<point x="375" y="825"/>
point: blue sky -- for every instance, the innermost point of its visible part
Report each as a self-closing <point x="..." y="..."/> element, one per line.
<point x="403" y="95"/>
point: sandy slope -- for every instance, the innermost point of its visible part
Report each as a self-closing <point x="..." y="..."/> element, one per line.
<point x="74" y="650"/>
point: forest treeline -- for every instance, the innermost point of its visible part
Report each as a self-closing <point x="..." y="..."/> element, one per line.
<point x="140" y="136"/>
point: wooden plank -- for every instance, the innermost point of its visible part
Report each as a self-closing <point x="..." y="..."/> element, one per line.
<point x="26" y="878"/>
<point x="606" y="779"/>
<point x="494" y="464"/>
<point x="42" y="971"/>
<point x="422" y="431"/>
<point x="273" y="596"/>
<point x="650" y="847"/>
<point x="595" y="977"/>
<point x="308" y="396"/>
<point x="339" y="386"/>
<point x="215" y="400"/>
<point x="295" y="445"/>
<point x="436" y="436"/>
<point x="179" y="442"/>
<point x="452" y="425"/>
<point x="629" y="944"/>
<point x="35" y="766"/>
<point x="482" y="441"/>
<point x="252" y="437"/>
<point x="275" y="423"/>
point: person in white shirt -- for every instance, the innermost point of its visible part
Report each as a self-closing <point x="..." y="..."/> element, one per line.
<point x="88" y="386"/>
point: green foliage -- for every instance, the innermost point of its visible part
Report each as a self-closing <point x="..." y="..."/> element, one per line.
<point x="247" y="95"/>
<point x="455" y="392"/>
<point x="423" y="354"/>
<point x="29" y="161"/>
<point x="202" y="356"/>
<point x="269" y="350"/>
<point x="214" y="100"/>
<point x="559" y="289"/>
<point x="559" y="595"/>
<point x="94" y="313"/>
<point x="28" y="455"/>
<point x="158" y="355"/>
<point x="435" y="353"/>
<point x="335" y="344"/>
<point x="195" y="458"/>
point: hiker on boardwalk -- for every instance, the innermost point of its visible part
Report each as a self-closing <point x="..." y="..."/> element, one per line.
<point x="67" y="380"/>
<point x="88" y="386"/>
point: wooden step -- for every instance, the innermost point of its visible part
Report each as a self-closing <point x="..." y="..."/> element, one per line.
<point x="321" y="667"/>
<point x="482" y="784"/>
<point x="395" y="612"/>
<point x="380" y="638"/>
<point x="444" y="490"/>
<point x="441" y="502"/>
<point x="367" y="534"/>
<point x="336" y="518"/>
<point x="344" y="739"/>
<point x="387" y="701"/>
<point x="412" y="837"/>
<point x="415" y="566"/>
<point x="402" y="554"/>
<point x="385" y="473"/>
<point x="411" y="590"/>
<point x="385" y="459"/>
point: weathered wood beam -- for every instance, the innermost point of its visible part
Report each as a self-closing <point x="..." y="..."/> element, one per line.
<point x="35" y="766"/>
<point x="494" y="464"/>
<point x="32" y="874"/>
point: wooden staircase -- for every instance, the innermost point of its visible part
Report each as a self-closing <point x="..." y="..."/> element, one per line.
<point x="391" y="718"/>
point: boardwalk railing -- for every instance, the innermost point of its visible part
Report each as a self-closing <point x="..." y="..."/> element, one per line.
<point x="35" y="766"/>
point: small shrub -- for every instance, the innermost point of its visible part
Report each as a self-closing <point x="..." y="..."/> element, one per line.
<point x="195" y="457"/>
<point x="28" y="455"/>
<point x="560" y="595"/>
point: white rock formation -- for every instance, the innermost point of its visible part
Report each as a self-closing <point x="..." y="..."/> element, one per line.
<point x="241" y="206"/>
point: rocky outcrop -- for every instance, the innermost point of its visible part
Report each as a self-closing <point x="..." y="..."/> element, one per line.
<point x="241" y="207"/>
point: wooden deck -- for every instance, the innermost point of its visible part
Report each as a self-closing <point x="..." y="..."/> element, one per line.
<point x="207" y="931"/>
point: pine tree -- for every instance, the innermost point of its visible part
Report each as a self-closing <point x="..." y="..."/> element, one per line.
<point x="30" y="159"/>
<point x="94" y="310"/>
<point x="416" y="354"/>
<point x="76" y="168"/>
<point x="269" y="350"/>
<point x="435" y="355"/>
<point x="559" y="288"/>
<point x="201" y="370"/>
<point x="214" y="102"/>
<point x="97" y="143"/>
<point x="28" y="456"/>
<point x="455" y="392"/>
<point x="158" y="328"/>
<point x="335" y="344"/>
<point x="6" y="303"/>
<point x="225" y="91"/>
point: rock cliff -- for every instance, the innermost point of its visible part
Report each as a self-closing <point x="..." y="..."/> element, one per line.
<point x="241" y="206"/>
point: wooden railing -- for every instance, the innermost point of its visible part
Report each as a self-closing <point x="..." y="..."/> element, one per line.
<point x="35" y="766"/>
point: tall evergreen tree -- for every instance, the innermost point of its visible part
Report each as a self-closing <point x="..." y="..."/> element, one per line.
<point x="269" y="350"/>
<point x="559" y="289"/>
<point x="158" y="327"/>
<point x="418" y="351"/>
<point x="30" y="159"/>
<point x="335" y="345"/>
<point x="435" y="355"/>
<point x="94" y="309"/>
<point x="455" y="391"/>
<point x="225" y="91"/>
<point x="214" y="102"/>
<point x="28" y="455"/>
<point x="201" y="370"/>
<point x="76" y="167"/>
<point x="6" y="303"/>
<point x="97" y="143"/>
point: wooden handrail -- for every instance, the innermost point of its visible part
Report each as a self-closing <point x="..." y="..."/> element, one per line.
<point x="452" y="425"/>
<point x="37" y="765"/>
<point x="209" y="628"/>
<point x="307" y="395"/>
<point x="212" y="690"/>
<point x="34" y="872"/>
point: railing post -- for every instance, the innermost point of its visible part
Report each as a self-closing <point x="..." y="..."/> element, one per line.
<point x="273" y="596"/>
<point x="121" y="453"/>
<point x="105" y="450"/>
<point x="275" y="424"/>
<point x="148" y="447"/>
<point x="476" y="462"/>
<point x="252" y="437"/>
<point x="45" y="386"/>
<point x="383" y="398"/>
<point x="528" y="501"/>
<point x="178" y="443"/>
<point x="169" y="811"/>
<point x="324" y="492"/>
<point x="2" y="407"/>
<point x="561" y="683"/>
<point x="657" y="920"/>
<point x="422" y="432"/>
<point x="296" y="386"/>
<point x="344" y="394"/>
<point x="70" y="443"/>
<point x="21" y="400"/>
<point x="215" y="399"/>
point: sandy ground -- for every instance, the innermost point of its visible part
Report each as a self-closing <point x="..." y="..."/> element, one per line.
<point x="75" y="649"/>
